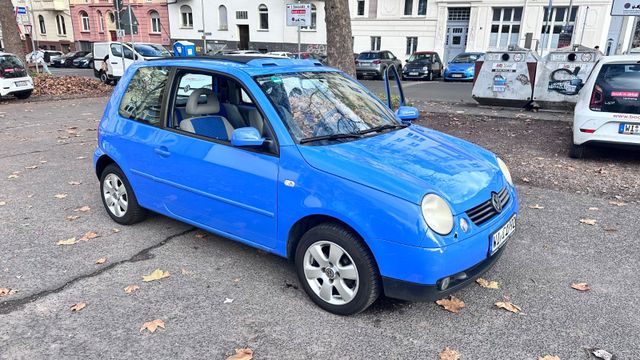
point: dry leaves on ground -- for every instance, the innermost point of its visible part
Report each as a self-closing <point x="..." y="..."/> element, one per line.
<point x="581" y="286"/>
<point x="7" y="292"/>
<point x="31" y="167"/>
<point x="601" y="354"/>
<point x="131" y="288"/>
<point x="101" y="261"/>
<point x="3" y="203"/>
<point x="72" y="217"/>
<point x="114" y="230"/>
<point x="449" y="354"/>
<point x="227" y="301"/>
<point x="617" y="203"/>
<point x="152" y="325"/>
<point x="593" y="208"/>
<point x="78" y="307"/>
<point x="508" y="306"/>
<point x="453" y="304"/>
<point x="242" y="354"/>
<point x="549" y="357"/>
<point x="157" y="274"/>
<point x="70" y="241"/>
<point x="82" y="209"/>
<point x="89" y="235"/>
<point x="50" y="85"/>
<point x="201" y="235"/>
<point x="487" y="284"/>
<point x="60" y="196"/>
<point x="536" y="206"/>
<point x="74" y="182"/>
<point x="588" y="221"/>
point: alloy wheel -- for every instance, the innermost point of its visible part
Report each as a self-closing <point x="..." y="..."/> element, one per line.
<point x="115" y="195"/>
<point x="331" y="272"/>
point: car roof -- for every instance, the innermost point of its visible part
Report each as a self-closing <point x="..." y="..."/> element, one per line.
<point x="5" y="53"/>
<point x="250" y="64"/>
<point x="425" y="52"/>
<point x="621" y="58"/>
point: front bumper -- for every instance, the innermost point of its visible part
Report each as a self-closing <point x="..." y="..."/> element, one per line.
<point x="455" y="75"/>
<point x="416" y="74"/>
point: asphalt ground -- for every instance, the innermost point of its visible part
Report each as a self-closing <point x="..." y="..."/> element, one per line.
<point x="270" y="313"/>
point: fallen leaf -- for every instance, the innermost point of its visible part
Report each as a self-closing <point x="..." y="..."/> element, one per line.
<point x="536" y="206"/>
<point x="3" y="203"/>
<point x="12" y="176"/>
<point x="81" y="157"/>
<point x="157" y="274"/>
<point x="508" y="306"/>
<point x="608" y="229"/>
<point x="60" y="196"/>
<point x="72" y="217"/>
<point x="618" y="203"/>
<point x="7" y="292"/>
<point x="593" y="209"/>
<point x="601" y="354"/>
<point x="70" y="241"/>
<point x="449" y="354"/>
<point x="227" y="301"/>
<point x="186" y="272"/>
<point x="152" y="325"/>
<point x="525" y="180"/>
<point x="131" y="288"/>
<point x="83" y="209"/>
<point x="43" y="161"/>
<point x="101" y="261"/>
<point x="453" y="304"/>
<point x="115" y="230"/>
<point x="487" y="284"/>
<point x="78" y="307"/>
<point x="31" y="167"/>
<point x="588" y="221"/>
<point x="74" y="182"/>
<point x="549" y="357"/>
<point x="242" y="354"/>
<point x="201" y="235"/>
<point x="581" y="286"/>
<point x="89" y="235"/>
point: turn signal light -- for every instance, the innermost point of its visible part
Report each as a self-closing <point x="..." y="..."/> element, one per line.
<point x="588" y="131"/>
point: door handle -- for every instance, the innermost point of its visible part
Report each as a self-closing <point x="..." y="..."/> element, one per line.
<point x="162" y="151"/>
<point x="114" y="63"/>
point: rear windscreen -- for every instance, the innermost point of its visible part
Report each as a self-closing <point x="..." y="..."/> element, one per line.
<point x="368" y="56"/>
<point x="620" y="84"/>
<point x="10" y="62"/>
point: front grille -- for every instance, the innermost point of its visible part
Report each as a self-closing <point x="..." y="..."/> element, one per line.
<point x="485" y="211"/>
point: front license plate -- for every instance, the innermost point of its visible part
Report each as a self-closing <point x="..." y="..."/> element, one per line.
<point x="456" y="75"/>
<point x="499" y="238"/>
<point x="21" y="83"/>
<point x="629" y="129"/>
<point x="414" y="74"/>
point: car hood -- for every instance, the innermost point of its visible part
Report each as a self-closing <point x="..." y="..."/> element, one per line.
<point x="418" y="63"/>
<point x="412" y="162"/>
<point x="459" y="66"/>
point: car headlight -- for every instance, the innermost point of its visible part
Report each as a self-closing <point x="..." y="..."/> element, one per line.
<point x="426" y="68"/>
<point x="437" y="214"/>
<point x="505" y="171"/>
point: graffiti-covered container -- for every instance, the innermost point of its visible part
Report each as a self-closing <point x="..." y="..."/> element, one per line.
<point x="561" y="75"/>
<point x="505" y="77"/>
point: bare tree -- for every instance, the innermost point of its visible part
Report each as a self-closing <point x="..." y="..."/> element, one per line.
<point x="10" y="33"/>
<point x="339" y="41"/>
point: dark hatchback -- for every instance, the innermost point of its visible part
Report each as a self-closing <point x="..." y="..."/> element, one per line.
<point x="423" y="65"/>
<point x="66" y="60"/>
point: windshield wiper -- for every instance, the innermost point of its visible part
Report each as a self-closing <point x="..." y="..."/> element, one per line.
<point x="330" y="137"/>
<point x="383" y="128"/>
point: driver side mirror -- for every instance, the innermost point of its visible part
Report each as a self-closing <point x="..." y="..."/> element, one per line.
<point x="407" y="113"/>
<point x="246" y="136"/>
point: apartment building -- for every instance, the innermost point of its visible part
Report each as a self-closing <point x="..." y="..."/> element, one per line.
<point x="47" y="21"/>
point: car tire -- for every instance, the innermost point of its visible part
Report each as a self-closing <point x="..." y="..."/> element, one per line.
<point x="577" y="151"/>
<point x="23" y="94"/>
<point x="104" y="78"/>
<point x="430" y="77"/>
<point x="314" y="256"/>
<point x="114" y="187"/>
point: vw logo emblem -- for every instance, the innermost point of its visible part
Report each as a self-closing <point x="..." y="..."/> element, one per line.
<point x="495" y="201"/>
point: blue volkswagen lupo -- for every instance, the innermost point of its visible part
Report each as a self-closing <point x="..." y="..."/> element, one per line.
<point x="300" y="160"/>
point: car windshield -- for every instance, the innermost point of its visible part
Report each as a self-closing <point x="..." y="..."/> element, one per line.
<point x="420" y="57"/>
<point x="151" y="50"/>
<point x="368" y="56"/>
<point x="68" y="55"/>
<point x="10" y="62"/>
<point x="316" y="104"/>
<point x="465" y="58"/>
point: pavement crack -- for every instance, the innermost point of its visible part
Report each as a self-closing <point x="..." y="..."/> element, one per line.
<point x="10" y="306"/>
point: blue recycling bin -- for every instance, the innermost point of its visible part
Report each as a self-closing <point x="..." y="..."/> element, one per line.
<point x="184" y="48"/>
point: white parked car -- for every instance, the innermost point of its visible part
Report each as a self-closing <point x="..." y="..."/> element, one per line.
<point x="608" y="108"/>
<point x="284" y="54"/>
<point x="14" y="78"/>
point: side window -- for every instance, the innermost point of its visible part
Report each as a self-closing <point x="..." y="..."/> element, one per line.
<point x="142" y="101"/>
<point x="245" y="97"/>
<point x="116" y="51"/>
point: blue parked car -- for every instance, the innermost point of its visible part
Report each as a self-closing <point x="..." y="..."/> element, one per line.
<point x="301" y="160"/>
<point x="462" y="67"/>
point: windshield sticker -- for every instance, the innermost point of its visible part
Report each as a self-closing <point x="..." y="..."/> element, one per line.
<point x="631" y="95"/>
<point x="276" y="79"/>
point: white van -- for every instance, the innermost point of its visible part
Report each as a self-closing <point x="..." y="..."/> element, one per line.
<point x="111" y="59"/>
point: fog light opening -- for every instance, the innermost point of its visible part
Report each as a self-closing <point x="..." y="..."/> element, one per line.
<point x="444" y="283"/>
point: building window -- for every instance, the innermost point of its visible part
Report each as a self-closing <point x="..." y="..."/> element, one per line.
<point x="155" y="22"/>
<point x="222" y="18"/>
<point x="242" y="15"/>
<point x="314" y="18"/>
<point x="412" y="44"/>
<point x="100" y="21"/>
<point x="422" y="7"/>
<point x="43" y="28"/>
<point x="559" y="29"/>
<point x="62" y="29"/>
<point x="84" y="19"/>
<point x="263" y="11"/>
<point x="186" y="16"/>
<point x="459" y="14"/>
<point x="408" y="7"/>
<point x="375" y="43"/>
<point x="360" y="8"/>
<point x="111" y="17"/>
<point x="412" y="7"/>
<point x="505" y="27"/>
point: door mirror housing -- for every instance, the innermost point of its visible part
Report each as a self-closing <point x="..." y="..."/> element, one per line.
<point x="246" y="136"/>
<point x="407" y="113"/>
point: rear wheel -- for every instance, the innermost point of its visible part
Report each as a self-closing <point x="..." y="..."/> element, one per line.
<point x="118" y="197"/>
<point x="337" y="270"/>
<point x="577" y="151"/>
<point x="430" y="76"/>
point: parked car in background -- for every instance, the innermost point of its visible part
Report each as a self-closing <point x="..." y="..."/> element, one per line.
<point x="53" y="54"/>
<point x="84" y="62"/>
<point x="375" y="63"/>
<point x="423" y="65"/>
<point x="111" y="59"/>
<point x="14" y="79"/>
<point x="309" y="56"/>
<point x="284" y="54"/>
<point x="66" y="60"/>
<point x="608" y="107"/>
<point x="462" y="67"/>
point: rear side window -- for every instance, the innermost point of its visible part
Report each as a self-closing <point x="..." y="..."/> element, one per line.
<point x="143" y="99"/>
<point x="368" y="56"/>
<point x="617" y="89"/>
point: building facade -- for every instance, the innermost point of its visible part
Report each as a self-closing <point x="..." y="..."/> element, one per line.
<point x="96" y="21"/>
<point x="47" y="22"/>
<point x="453" y="26"/>
<point x="245" y="24"/>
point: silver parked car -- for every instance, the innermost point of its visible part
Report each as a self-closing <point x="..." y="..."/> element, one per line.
<point x="374" y="63"/>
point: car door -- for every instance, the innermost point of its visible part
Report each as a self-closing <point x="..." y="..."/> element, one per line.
<point x="213" y="184"/>
<point x="120" y="58"/>
<point x="437" y="64"/>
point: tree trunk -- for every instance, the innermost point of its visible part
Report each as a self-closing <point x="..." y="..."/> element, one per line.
<point x="10" y="33"/>
<point x="339" y="41"/>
